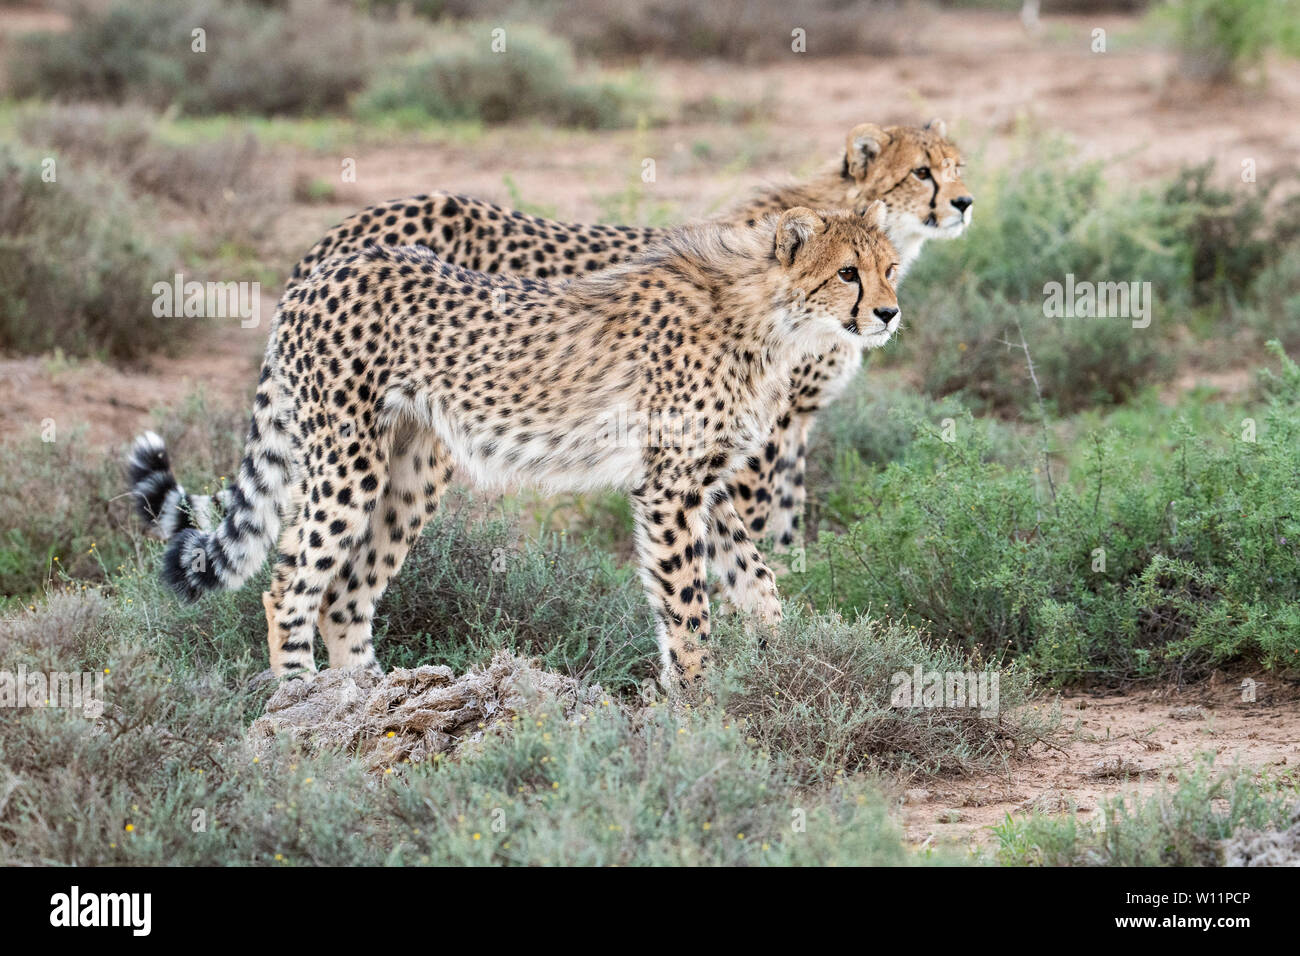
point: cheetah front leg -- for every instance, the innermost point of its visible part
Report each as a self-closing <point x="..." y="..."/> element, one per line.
<point x="746" y="582"/>
<point x="789" y="492"/>
<point x="671" y="530"/>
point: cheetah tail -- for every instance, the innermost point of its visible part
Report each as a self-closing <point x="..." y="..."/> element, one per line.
<point x="199" y="556"/>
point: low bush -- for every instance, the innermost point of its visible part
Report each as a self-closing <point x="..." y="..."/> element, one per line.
<point x="302" y="57"/>
<point x="235" y="187"/>
<point x="76" y="266"/>
<point x="1189" y="257"/>
<point x="1165" y="563"/>
<point x="818" y="695"/>
<point x="532" y="77"/>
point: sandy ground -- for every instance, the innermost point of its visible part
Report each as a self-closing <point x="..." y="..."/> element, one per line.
<point x="988" y="79"/>
<point x="1122" y="744"/>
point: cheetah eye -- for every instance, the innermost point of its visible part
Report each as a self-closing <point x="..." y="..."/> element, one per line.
<point x="891" y="272"/>
<point x="922" y="173"/>
<point x="848" y="274"/>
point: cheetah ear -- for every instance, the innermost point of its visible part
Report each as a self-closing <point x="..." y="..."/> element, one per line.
<point x="939" y="127"/>
<point x="795" y="227"/>
<point x="874" y="214"/>
<point x="864" y="145"/>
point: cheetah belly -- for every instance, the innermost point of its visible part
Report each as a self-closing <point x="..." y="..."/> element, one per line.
<point x="582" y="451"/>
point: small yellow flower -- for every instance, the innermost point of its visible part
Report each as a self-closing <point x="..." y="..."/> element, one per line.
<point x="279" y="856"/>
<point x="108" y="670"/>
<point x="707" y="825"/>
<point x="555" y="785"/>
<point x="130" y="828"/>
<point x="478" y="836"/>
<point x="391" y="733"/>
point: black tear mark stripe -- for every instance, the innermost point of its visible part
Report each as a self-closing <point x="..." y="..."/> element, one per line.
<point x="818" y="289"/>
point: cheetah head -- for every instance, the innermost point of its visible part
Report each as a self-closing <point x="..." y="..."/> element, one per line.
<point x="916" y="172"/>
<point x="841" y="270"/>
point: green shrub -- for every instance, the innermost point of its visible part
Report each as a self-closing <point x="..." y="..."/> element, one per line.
<point x="1219" y="40"/>
<point x="76" y="269"/>
<point x="1204" y="250"/>
<point x="534" y="78"/>
<point x="1164" y="563"/>
<point x="968" y="301"/>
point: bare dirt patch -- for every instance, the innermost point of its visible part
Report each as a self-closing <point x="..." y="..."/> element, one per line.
<point x="1123" y="742"/>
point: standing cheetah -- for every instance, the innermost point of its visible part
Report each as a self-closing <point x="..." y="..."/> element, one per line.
<point x="388" y="367"/>
<point x="914" y="171"/>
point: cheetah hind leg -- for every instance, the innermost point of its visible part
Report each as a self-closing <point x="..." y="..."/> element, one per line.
<point x="420" y="469"/>
<point x="332" y="517"/>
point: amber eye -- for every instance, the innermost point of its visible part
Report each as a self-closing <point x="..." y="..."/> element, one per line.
<point x="891" y="272"/>
<point x="848" y="274"/>
<point x="922" y="173"/>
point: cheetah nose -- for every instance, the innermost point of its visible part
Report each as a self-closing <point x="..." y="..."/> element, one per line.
<point x="963" y="203"/>
<point x="885" y="314"/>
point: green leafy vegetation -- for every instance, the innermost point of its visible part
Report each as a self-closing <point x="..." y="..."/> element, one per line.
<point x="499" y="75"/>
<point x="1181" y="825"/>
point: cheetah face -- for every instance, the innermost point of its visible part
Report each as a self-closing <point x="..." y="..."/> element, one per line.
<point x="842" y="271"/>
<point x="917" y="173"/>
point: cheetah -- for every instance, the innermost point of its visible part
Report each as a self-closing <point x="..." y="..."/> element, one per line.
<point x="388" y="367"/>
<point x="915" y="171"/>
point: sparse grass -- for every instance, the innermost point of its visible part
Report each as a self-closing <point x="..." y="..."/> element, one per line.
<point x="604" y="789"/>
<point x="1183" y="825"/>
<point x="67" y="516"/>
<point x="473" y="585"/>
